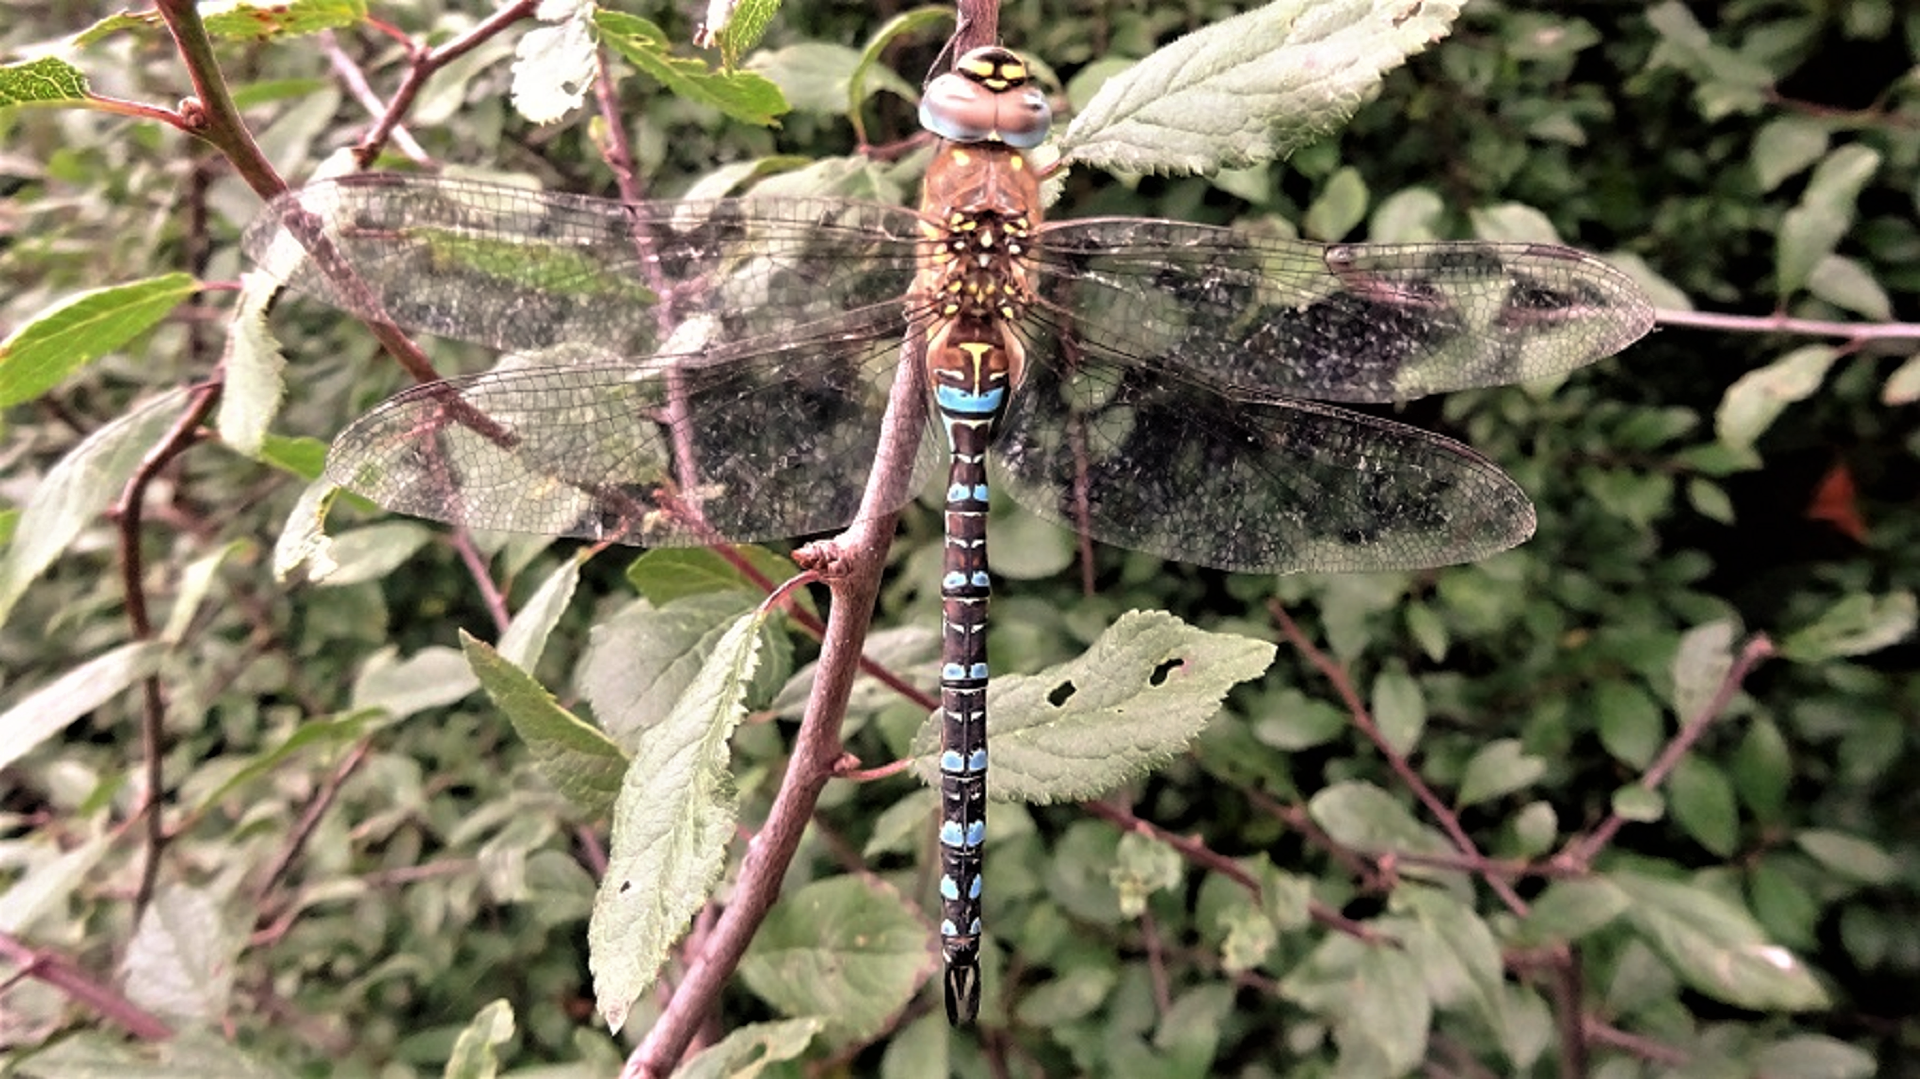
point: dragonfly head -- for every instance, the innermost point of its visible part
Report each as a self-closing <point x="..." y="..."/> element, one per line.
<point x="989" y="96"/>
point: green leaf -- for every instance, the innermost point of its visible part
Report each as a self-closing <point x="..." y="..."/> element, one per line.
<point x="581" y="763"/>
<point x="1702" y="802"/>
<point x="254" y="365"/>
<point x="1499" y="768"/>
<point x="811" y="75"/>
<point x="1631" y="727"/>
<point x="554" y="66"/>
<point x="1700" y="665"/>
<point x="640" y="661"/>
<point x="847" y="950"/>
<point x="1375" y="1000"/>
<point x="1141" y="867"/>
<point x="1453" y="949"/>
<point x="75" y="492"/>
<point x="243" y="20"/>
<point x="526" y="635"/>
<point x="1843" y="282"/>
<point x="375" y="551"/>
<point x="48" y="710"/>
<point x="80" y="329"/>
<point x="1784" y="146"/>
<point x="1762" y="770"/>
<point x="734" y="26"/>
<point x="1248" y="936"/>
<point x="1825" y="213"/>
<point x="671" y="826"/>
<point x="1571" y="909"/>
<point x="433" y="677"/>
<point x="1903" y="386"/>
<point x="858" y="88"/>
<point x="1339" y="209"/>
<point x="742" y="95"/>
<point x="665" y="574"/>
<point x="1855" y="626"/>
<point x="1251" y="88"/>
<point x="179" y="964"/>
<point x="1850" y="856"/>
<point x="474" y="1055"/>
<point x="320" y="732"/>
<point x="47" y="880"/>
<point x="1399" y="709"/>
<point x="1138" y="696"/>
<point x="1638" y="804"/>
<point x="1710" y="500"/>
<point x="1814" y="1056"/>
<point x="751" y="1049"/>
<point x="1758" y="397"/>
<point x="1365" y="818"/>
<point x="1729" y="81"/>
<point x="46" y="81"/>
<point x="1513" y="222"/>
<point x="1716" y="947"/>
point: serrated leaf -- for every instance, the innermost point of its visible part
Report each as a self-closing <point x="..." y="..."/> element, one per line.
<point x="75" y="492"/>
<point x="665" y="574"/>
<point x="640" y="662"/>
<point x="243" y="20"/>
<point x="1499" y="768"/>
<point x="734" y="26"/>
<point x="180" y="962"/>
<point x="848" y="950"/>
<point x="1399" y="709"/>
<point x="1251" y="88"/>
<point x="554" y="66"/>
<point x="671" y="824"/>
<point x="752" y="1049"/>
<point x="80" y="329"/>
<point x="1716" y="947"/>
<point x="742" y="95"/>
<point x="473" y="1055"/>
<point x="46" y="81"/>
<point x="526" y="635"/>
<point x="582" y="764"/>
<point x="1758" y="397"/>
<point x="48" y="710"/>
<point x="254" y="365"/>
<point x="1138" y="696"/>
<point x="1854" y="626"/>
<point x="1363" y="817"/>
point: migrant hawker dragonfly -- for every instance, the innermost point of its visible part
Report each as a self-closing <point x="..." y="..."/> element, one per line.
<point x="718" y="371"/>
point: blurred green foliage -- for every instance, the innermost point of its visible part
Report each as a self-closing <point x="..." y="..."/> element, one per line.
<point x="1753" y="915"/>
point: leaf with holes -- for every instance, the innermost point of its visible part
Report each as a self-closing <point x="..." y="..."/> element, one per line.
<point x="1145" y="689"/>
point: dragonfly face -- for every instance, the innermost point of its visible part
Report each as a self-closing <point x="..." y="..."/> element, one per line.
<point x="1152" y="384"/>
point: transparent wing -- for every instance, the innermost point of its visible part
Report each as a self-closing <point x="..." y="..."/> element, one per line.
<point x="677" y="451"/>
<point x="1250" y="483"/>
<point x="1341" y="322"/>
<point x="526" y="270"/>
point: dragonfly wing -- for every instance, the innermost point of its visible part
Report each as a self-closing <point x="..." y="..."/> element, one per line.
<point x="677" y="452"/>
<point x="523" y="270"/>
<point x="1340" y="322"/>
<point x="1254" y="484"/>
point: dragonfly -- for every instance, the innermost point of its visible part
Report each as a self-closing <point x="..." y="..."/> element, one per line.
<point x="697" y="372"/>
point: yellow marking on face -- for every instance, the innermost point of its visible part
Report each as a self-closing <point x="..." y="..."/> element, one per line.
<point x="980" y="66"/>
<point x="961" y="157"/>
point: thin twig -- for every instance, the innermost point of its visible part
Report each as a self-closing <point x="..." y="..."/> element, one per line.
<point x="856" y="561"/>
<point x="361" y="91"/>
<point x="66" y="976"/>
<point x="1363" y="719"/>
<point x="1580" y="852"/>
<point x="212" y="115"/>
<point x="1855" y="332"/>
<point x="425" y="64"/>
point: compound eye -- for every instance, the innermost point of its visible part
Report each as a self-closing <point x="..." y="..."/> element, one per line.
<point x="958" y="108"/>
<point x="1024" y="118"/>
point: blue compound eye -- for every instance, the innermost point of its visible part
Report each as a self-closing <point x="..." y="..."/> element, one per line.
<point x="987" y="97"/>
